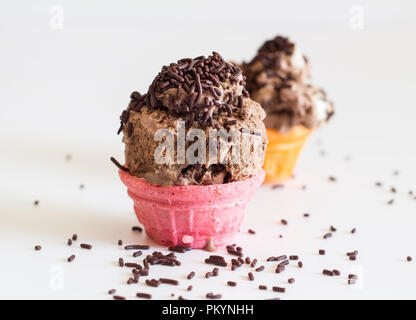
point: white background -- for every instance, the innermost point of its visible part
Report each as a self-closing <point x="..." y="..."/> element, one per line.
<point x="62" y="90"/>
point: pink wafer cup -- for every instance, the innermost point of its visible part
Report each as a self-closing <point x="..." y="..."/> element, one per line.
<point x="191" y="215"/>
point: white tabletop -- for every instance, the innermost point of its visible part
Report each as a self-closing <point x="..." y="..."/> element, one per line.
<point x="62" y="90"/>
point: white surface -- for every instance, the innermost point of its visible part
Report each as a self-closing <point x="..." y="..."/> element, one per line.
<point x="61" y="91"/>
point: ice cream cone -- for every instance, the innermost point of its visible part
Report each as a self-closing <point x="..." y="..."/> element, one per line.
<point x="191" y="215"/>
<point x="282" y="152"/>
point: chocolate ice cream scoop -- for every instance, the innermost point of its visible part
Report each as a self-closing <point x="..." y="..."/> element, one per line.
<point x="278" y="78"/>
<point x="205" y="93"/>
<point x="277" y="60"/>
<point x="292" y="104"/>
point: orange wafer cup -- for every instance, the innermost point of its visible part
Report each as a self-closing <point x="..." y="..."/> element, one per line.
<point x="282" y="152"/>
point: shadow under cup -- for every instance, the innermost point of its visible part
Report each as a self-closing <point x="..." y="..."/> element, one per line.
<point x="191" y="215"/>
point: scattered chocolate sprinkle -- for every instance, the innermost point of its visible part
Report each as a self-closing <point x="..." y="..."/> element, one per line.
<point x="189" y="288"/>
<point x="332" y="179"/>
<point x="153" y="283"/>
<point x="75" y="237"/>
<point x="235" y="252"/>
<point x="294" y="258"/>
<point x="169" y="281"/>
<point x="336" y="272"/>
<point x="409" y="259"/>
<point x="284" y="222"/>
<point x="354" y="230"/>
<point x="393" y="190"/>
<point x="132" y="265"/>
<point x="137" y="254"/>
<point x="121" y="262"/>
<point x="259" y="269"/>
<point x="327" y="272"/>
<point x="353" y="258"/>
<point x="69" y="242"/>
<point x="119" y="298"/>
<point x="390" y="202"/>
<point x="217" y="261"/>
<point x="279" y="289"/>
<point x="280" y="268"/>
<point x="136" y="247"/>
<point x="232" y="283"/>
<point x="112" y="291"/>
<point x="251" y="276"/>
<point x="328" y="235"/>
<point x="300" y="264"/>
<point x="191" y="275"/>
<point x="291" y="280"/>
<point x="71" y="258"/>
<point x="36" y="202"/>
<point x="38" y="248"/>
<point x="353" y="253"/>
<point x="136" y="228"/>
<point x="322" y="252"/>
<point x="118" y="165"/>
<point x="248" y="260"/>
<point x="333" y="229"/>
<point x="180" y="249"/>
<point x="352" y="281"/>
<point x="86" y="246"/>
<point x="352" y="276"/>
<point x="213" y="296"/>
<point x="143" y="295"/>
<point x="262" y="287"/>
<point x="253" y="263"/>
<point x="281" y="258"/>
<point x="120" y="242"/>
<point x="250" y="231"/>
<point x="306" y="215"/>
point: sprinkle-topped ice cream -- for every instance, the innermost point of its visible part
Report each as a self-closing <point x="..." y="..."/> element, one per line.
<point x="278" y="78"/>
<point x="205" y="93"/>
<point x="276" y="58"/>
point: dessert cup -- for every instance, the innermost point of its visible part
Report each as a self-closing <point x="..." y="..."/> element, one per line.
<point x="282" y="152"/>
<point x="191" y="215"/>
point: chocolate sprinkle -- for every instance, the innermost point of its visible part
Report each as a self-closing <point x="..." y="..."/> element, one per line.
<point x="279" y="289"/>
<point x="136" y="247"/>
<point x="143" y="295"/>
<point x="118" y="165"/>
<point x="169" y="281"/>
